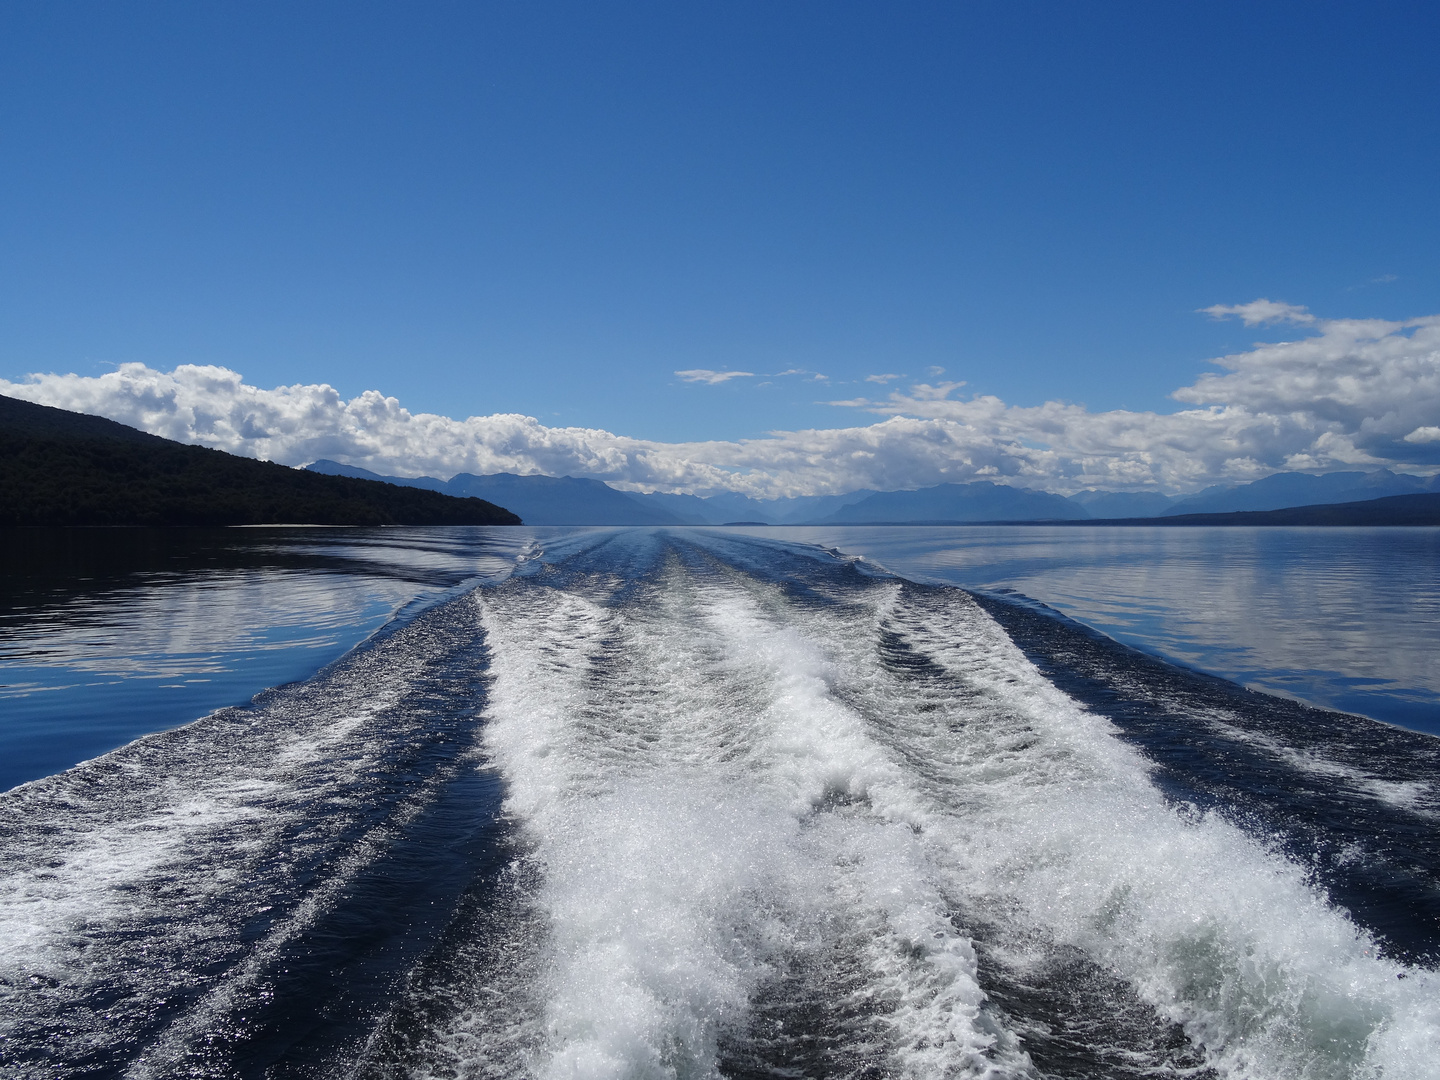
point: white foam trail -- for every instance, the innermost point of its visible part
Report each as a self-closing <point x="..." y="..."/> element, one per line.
<point x="1417" y="796"/>
<point x="670" y="760"/>
<point x="1217" y="932"/>
<point x="740" y="803"/>
<point x="713" y="775"/>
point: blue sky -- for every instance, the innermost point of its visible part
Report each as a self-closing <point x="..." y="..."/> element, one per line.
<point x="550" y="208"/>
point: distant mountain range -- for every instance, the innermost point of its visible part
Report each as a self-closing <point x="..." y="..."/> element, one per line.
<point x="59" y="467"/>
<point x="1298" y="489"/>
<point x="548" y="500"/>
<point x="982" y="500"/>
<point x="65" y="468"/>
<point x="1418" y="509"/>
<point x="569" y="500"/>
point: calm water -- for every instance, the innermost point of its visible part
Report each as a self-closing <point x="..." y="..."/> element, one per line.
<point x="108" y="634"/>
<point x="670" y="803"/>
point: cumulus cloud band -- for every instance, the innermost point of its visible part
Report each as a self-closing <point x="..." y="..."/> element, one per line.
<point x="1357" y="393"/>
<point x="1262" y="311"/>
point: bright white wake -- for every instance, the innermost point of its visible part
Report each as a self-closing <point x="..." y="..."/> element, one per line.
<point x="797" y="831"/>
<point x="665" y="806"/>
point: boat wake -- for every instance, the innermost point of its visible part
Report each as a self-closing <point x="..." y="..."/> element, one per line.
<point x="686" y="805"/>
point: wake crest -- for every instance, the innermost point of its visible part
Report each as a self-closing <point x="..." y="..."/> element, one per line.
<point x="785" y="818"/>
<point x="764" y="814"/>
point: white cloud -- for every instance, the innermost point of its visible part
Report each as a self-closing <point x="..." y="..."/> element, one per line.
<point x="882" y="379"/>
<point x="1355" y="393"/>
<point x="1348" y="396"/>
<point x="815" y="376"/>
<point x="1260" y="312"/>
<point x="705" y="375"/>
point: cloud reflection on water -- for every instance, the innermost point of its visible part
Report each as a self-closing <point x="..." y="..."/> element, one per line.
<point x="1338" y="617"/>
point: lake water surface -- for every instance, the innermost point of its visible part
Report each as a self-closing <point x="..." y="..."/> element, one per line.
<point x="107" y="634"/>
<point x="719" y="803"/>
<point x="1345" y="618"/>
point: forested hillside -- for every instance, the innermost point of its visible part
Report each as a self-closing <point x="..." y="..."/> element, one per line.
<point x="64" y="468"/>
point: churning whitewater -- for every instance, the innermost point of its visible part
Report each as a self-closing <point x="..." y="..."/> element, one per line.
<point x="683" y="805"/>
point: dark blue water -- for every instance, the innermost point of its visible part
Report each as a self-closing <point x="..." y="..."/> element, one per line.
<point x="654" y="803"/>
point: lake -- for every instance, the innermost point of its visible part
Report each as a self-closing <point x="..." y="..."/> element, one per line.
<point x="729" y="802"/>
<point x="1345" y="618"/>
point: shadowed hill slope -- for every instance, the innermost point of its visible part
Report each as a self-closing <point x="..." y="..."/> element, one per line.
<point x="1285" y="490"/>
<point x="1421" y="509"/>
<point x="65" y="468"/>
